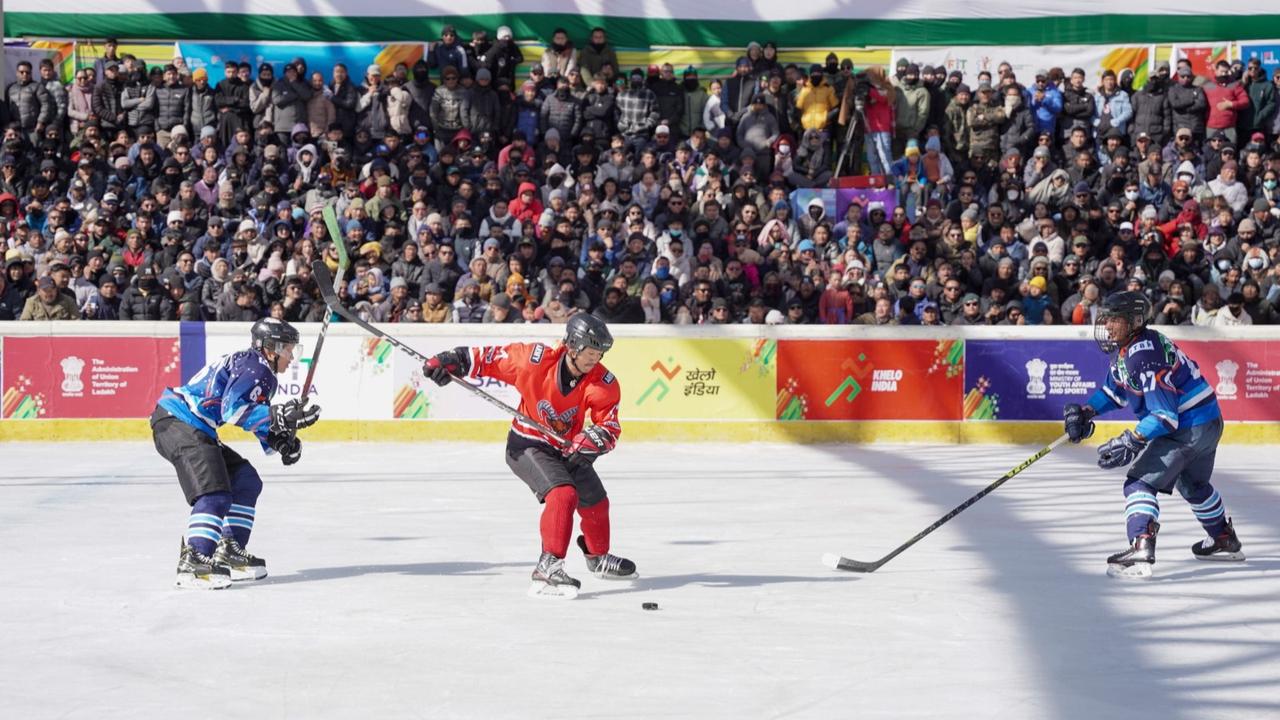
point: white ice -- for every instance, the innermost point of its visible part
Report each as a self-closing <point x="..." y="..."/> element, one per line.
<point x="398" y="578"/>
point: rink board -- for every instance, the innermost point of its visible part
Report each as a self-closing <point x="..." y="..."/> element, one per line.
<point x="730" y="383"/>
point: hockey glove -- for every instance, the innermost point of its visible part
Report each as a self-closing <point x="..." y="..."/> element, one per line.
<point x="1120" y="451"/>
<point x="1078" y="421"/>
<point x="290" y="416"/>
<point x="288" y="445"/>
<point x="590" y="444"/>
<point x="450" y="362"/>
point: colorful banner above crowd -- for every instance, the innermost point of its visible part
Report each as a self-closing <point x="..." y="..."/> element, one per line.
<point x="319" y="57"/>
<point x="1203" y="56"/>
<point x="1267" y="52"/>
<point x="714" y="23"/>
<point x="1026" y="61"/>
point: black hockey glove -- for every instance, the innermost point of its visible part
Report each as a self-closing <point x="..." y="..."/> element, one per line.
<point x="450" y="362"/>
<point x="1120" y="451"/>
<point x="288" y="445"/>
<point x="1078" y="421"/>
<point x="590" y="444"/>
<point x="290" y="416"/>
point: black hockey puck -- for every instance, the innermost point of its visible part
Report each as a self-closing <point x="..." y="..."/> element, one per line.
<point x="649" y="606"/>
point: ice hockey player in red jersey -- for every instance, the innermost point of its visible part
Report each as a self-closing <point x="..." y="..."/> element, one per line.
<point x="560" y="387"/>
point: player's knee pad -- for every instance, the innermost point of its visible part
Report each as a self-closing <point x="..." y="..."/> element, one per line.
<point x="246" y="485"/>
<point x="215" y="503"/>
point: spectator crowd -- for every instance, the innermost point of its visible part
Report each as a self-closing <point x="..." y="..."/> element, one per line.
<point x="469" y="190"/>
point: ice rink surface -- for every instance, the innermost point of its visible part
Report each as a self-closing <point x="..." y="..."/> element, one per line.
<point x="398" y="578"/>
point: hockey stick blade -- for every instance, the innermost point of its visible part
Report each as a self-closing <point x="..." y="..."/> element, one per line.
<point x="838" y="562"/>
<point x="323" y="281"/>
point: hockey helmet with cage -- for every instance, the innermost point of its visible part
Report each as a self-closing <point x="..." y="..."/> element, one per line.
<point x="271" y="334"/>
<point x="1130" y="305"/>
<point x="587" y="331"/>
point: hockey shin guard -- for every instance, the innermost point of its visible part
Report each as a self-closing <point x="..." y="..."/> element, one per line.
<point x="1206" y="503"/>
<point x="204" y="526"/>
<point x="245" y="488"/>
<point x="595" y="526"/>
<point x="1141" y="507"/>
<point x="557" y="519"/>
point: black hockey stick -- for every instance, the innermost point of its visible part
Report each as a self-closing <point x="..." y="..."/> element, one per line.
<point x="321" y="273"/>
<point x="837" y="562"/>
<point x="331" y="222"/>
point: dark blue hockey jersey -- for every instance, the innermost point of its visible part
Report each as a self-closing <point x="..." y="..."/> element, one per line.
<point x="236" y="389"/>
<point x="1162" y="385"/>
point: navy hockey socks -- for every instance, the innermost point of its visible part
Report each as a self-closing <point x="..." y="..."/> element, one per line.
<point x="204" y="526"/>
<point x="1141" y="507"/>
<point x="1206" y="503"/>
<point x="238" y="523"/>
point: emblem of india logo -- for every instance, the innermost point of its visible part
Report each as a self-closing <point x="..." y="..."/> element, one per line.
<point x="1035" y="376"/>
<point x="1227" y="370"/>
<point x="72" y="366"/>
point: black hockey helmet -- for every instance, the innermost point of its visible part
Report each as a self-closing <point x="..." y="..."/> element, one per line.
<point x="587" y="331"/>
<point x="1130" y="305"/>
<point x="271" y="334"/>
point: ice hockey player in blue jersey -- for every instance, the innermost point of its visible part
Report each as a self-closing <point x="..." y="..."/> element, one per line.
<point x="220" y="486"/>
<point x="1174" y="443"/>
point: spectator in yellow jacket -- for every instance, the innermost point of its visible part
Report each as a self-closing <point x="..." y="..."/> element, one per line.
<point x="816" y="101"/>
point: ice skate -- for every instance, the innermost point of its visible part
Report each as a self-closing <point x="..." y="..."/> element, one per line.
<point x="607" y="566"/>
<point x="1135" y="563"/>
<point x="1225" y="547"/>
<point x="240" y="563"/>
<point x="199" y="572"/>
<point x="551" y="581"/>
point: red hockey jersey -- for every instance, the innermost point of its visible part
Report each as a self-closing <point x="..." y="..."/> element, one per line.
<point x="534" y="370"/>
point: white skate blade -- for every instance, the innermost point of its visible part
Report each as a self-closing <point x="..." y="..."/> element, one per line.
<point x="1136" y="571"/>
<point x="632" y="576"/>
<point x="552" y="592"/>
<point x="191" y="581"/>
<point x="1222" y="557"/>
<point x="248" y="574"/>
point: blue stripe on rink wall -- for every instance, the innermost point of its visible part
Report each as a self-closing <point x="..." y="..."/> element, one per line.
<point x="191" y="335"/>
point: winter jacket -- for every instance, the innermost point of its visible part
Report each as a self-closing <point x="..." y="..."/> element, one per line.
<point x="599" y="113"/>
<point x="1262" y="107"/>
<point x="1078" y="108"/>
<point x="371" y="111"/>
<point x="58" y="94"/>
<point x="106" y="103"/>
<point x="486" y="107"/>
<point x="592" y="58"/>
<point x="815" y="104"/>
<point x="345" y="98"/>
<point x="1018" y="131"/>
<point x="757" y="131"/>
<point x="171" y="106"/>
<point x="502" y="59"/>
<point x="1232" y="92"/>
<point x="956" y="131"/>
<point x="1152" y="113"/>
<point x="637" y="111"/>
<point x="670" y="100"/>
<point x="912" y="110"/>
<point x="562" y="113"/>
<point x="290" y="101"/>
<point x="29" y="104"/>
<point x="441" y="56"/>
<point x="1114" y="111"/>
<point x="1188" y="107"/>
<point x="1045" y="111"/>
<point x="320" y="114"/>
<point x="399" y="103"/>
<point x="556" y="64"/>
<point x="450" y="109"/>
<point x="134" y="305"/>
<point x="79" y="107"/>
<point x="985" y="121"/>
<point x="202" y="110"/>
<point x="260" y="103"/>
<point x="695" y="101"/>
<point x="63" y="308"/>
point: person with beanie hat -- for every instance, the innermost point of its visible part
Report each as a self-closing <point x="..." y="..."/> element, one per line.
<point x="912" y="109"/>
